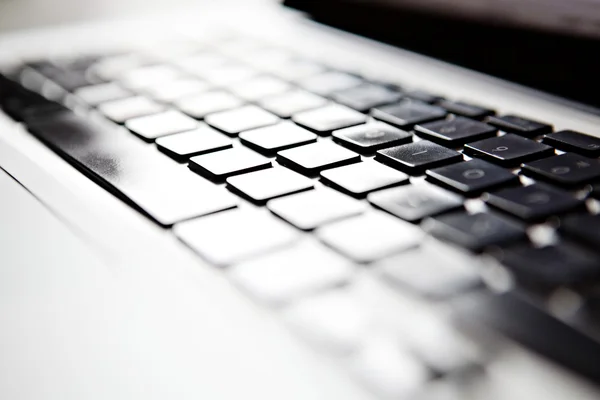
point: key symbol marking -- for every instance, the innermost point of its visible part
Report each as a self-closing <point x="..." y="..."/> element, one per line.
<point x="500" y="149"/>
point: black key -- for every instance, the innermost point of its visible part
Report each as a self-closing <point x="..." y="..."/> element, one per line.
<point x="200" y="105"/>
<point x="362" y="178"/>
<point x="519" y="125"/>
<point x="576" y="142"/>
<point x="508" y="150"/>
<point x="567" y="169"/>
<point x="315" y="157"/>
<point x="182" y="146"/>
<point x="466" y="109"/>
<point x="474" y="231"/>
<point x="131" y="169"/>
<point x="326" y="119"/>
<point x="408" y="113"/>
<point x="423" y="96"/>
<point x="472" y="177"/>
<point x="372" y="136"/>
<point x="455" y="131"/>
<point x="122" y="110"/>
<point x="223" y="164"/>
<point x="287" y="104"/>
<point x="550" y="266"/>
<point x="271" y="139"/>
<point x="583" y="228"/>
<point x="415" y="202"/>
<point x="154" y="126"/>
<point x="415" y="158"/>
<point x="366" y="96"/>
<point x="535" y="202"/>
<point x="261" y="186"/>
<point x="329" y="82"/>
<point x="314" y="208"/>
<point x="241" y="119"/>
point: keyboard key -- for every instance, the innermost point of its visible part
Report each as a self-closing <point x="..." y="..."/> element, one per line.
<point x="415" y="202"/>
<point x="287" y="104"/>
<point x="472" y="177"/>
<point x="68" y="80"/>
<point x="326" y="119"/>
<point x="408" y="113"/>
<point x="423" y="96"/>
<point x="261" y="186"/>
<point x="226" y="75"/>
<point x="122" y="110"/>
<point x="271" y="139"/>
<point x="550" y="266"/>
<point x="535" y="202"/>
<point x="362" y="178"/>
<point x="576" y="142"/>
<point x="223" y="164"/>
<point x="316" y="157"/>
<point x="315" y="208"/>
<point x="370" y="137"/>
<point x="173" y="90"/>
<point x="110" y="68"/>
<point x="182" y="146"/>
<point x="366" y="96"/>
<point x="474" y="231"/>
<point x="455" y="131"/>
<point x="292" y="272"/>
<point x="199" y="106"/>
<point x="567" y="169"/>
<point x="508" y="150"/>
<point x="466" y="109"/>
<point x="415" y="158"/>
<point x="140" y="78"/>
<point x="232" y="236"/>
<point x="260" y="87"/>
<point x="429" y="272"/>
<point x="370" y="237"/>
<point x="201" y="62"/>
<point x="297" y="69"/>
<point x="157" y="125"/>
<point x="519" y="125"/>
<point x="389" y="368"/>
<point x="583" y="228"/>
<point x="241" y="119"/>
<point x="98" y="94"/>
<point x="328" y="82"/>
<point x="137" y="172"/>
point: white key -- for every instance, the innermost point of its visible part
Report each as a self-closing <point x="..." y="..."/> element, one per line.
<point x="292" y="272"/>
<point x="370" y="237"/>
<point x="232" y="236"/>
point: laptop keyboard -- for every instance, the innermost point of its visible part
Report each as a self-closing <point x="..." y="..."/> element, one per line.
<point x="293" y="176"/>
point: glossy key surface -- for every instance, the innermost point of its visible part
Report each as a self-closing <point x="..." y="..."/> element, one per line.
<point x="519" y="125"/>
<point x="223" y="164"/>
<point x="509" y="150"/>
<point x="329" y="118"/>
<point x="455" y="131"/>
<point x="184" y="145"/>
<point x="271" y="139"/>
<point x="408" y="113"/>
<point x="534" y="202"/>
<point x="466" y="109"/>
<point x="241" y="119"/>
<point x="366" y="96"/>
<point x="567" y="169"/>
<point x="315" y="157"/>
<point x="261" y="186"/>
<point x="576" y="142"/>
<point x="472" y="177"/>
<point x="362" y="178"/>
<point x="415" y="158"/>
<point x="314" y="208"/>
<point x="162" y="124"/>
<point x="370" y="137"/>
<point x="200" y="105"/>
<point x="415" y="202"/>
<point x="235" y="235"/>
<point x="474" y="231"/>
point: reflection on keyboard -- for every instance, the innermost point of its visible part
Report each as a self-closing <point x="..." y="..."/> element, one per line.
<point x="299" y="174"/>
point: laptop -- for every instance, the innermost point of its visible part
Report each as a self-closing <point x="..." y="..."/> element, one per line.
<point x="308" y="200"/>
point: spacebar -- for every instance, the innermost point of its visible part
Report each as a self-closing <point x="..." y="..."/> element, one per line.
<point x="160" y="188"/>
